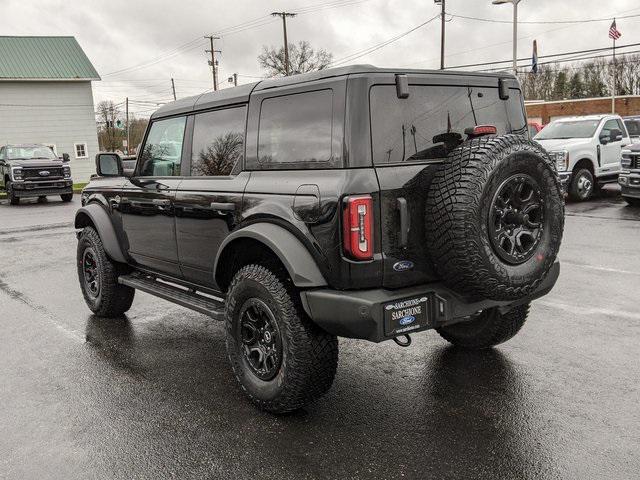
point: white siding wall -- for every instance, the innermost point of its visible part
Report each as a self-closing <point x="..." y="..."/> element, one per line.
<point x="58" y="113"/>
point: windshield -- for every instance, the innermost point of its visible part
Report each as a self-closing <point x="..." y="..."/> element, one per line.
<point x="36" y="152"/>
<point x="432" y="121"/>
<point x="633" y="127"/>
<point x="568" y="129"/>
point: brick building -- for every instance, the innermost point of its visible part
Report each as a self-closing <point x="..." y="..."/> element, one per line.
<point x="544" y="112"/>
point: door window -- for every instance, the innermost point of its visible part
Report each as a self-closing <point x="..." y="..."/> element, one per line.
<point x="218" y="142"/>
<point x="295" y="130"/>
<point x="608" y="126"/>
<point x="162" y="151"/>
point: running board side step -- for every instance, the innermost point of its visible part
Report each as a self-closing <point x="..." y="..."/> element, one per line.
<point x="175" y="294"/>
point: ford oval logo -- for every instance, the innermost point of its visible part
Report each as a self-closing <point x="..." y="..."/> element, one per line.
<point x="403" y="266"/>
<point x="408" y="320"/>
<point x="44" y="173"/>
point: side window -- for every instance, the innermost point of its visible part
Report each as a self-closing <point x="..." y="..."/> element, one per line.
<point x="621" y="127"/>
<point x="1" y="153"/>
<point x="295" y="130"/>
<point x="608" y="126"/>
<point x="218" y="142"/>
<point x="162" y="151"/>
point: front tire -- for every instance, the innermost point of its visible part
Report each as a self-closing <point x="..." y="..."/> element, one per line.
<point x="66" y="197"/>
<point x="280" y="358"/>
<point x="487" y="329"/>
<point x="98" y="276"/>
<point x="582" y="186"/>
<point x="11" y="194"/>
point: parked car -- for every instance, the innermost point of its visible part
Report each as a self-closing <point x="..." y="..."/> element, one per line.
<point x="33" y="170"/>
<point x="587" y="151"/>
<point x="356" y="202"/>
<point x="633" y="127"/>
<point x="629" y="179"/>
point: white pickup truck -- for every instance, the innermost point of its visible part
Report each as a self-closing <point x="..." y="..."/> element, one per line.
<point x="587" y="151"/>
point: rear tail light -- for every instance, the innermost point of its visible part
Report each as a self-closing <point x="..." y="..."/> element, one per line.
<point x="358" y="227"/>
<point x="479" y="130"/>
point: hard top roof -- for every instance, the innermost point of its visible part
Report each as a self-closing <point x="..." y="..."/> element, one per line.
<point x="240" y="94"/>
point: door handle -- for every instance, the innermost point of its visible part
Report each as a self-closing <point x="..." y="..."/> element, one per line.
<point x="405" y="221"/>
<point x="223" y="206"/>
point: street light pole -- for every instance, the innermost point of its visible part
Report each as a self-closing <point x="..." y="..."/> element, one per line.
<point x="442" y="22"/>
<point x="515" y="29"/>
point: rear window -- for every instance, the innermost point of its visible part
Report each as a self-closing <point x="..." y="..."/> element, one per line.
<point x="432" y="121"/>
<point x="295" y="130"/>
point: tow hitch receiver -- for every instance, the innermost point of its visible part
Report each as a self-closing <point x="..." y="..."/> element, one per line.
<point x="403" y="343"/>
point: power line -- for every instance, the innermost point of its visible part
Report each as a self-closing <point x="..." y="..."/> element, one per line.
<point x="543" y="22"/>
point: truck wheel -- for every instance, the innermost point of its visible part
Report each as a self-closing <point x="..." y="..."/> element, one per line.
<point x="486" y="329"/>
<point x="98" y="276"/>
<point x="11" y="195"/>
<point x="495" y="216"/>
<point x="280" y="358"/>
<point x="582" y="186"/>
<point x="66" y="197"/>
<point x="634" y="202"/>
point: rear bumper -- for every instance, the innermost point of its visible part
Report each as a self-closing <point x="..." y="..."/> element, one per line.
<point x="360" y="313"/>
<point x="630" y="184"/>
<point x="42" y="188"/>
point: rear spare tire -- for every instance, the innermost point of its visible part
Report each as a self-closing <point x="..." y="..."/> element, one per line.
<point x="495" y="216"/>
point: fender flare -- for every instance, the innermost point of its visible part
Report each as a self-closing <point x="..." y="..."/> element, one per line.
<point x="295" y="257"/>
<point x="100" y="219"/>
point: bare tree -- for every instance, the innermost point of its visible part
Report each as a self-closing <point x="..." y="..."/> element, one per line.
<point x="108" y="113"/>
<point x="302" y="58"/>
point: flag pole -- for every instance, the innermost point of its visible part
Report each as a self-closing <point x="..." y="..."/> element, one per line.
<point x="613" y="92"/>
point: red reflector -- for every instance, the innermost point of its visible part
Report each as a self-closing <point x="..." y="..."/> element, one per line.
<point x="358" y="227"/>
<point x="481" y="130"/>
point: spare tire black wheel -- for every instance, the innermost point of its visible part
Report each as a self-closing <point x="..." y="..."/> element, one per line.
<point x="495" y="216"/>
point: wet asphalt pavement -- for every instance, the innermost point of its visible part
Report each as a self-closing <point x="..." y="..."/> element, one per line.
<point x="152" y="396"/>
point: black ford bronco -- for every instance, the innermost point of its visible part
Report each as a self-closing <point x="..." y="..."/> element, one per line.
<point x="33" y="170"/>
<point x="356" y="202"/>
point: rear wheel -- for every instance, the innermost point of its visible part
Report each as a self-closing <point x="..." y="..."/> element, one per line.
<point x="582" y="185"/>
<point x="98" y="276"/>
<point x="66" y="197"/>
<point x="11" y="194"/>
<point x="634" y="202"/>
<point x="486" y="329"/>
<point x="280" y="358"/>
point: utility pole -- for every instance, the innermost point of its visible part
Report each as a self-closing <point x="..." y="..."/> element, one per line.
<point x="442" y="21"/>
<point x="234" y="79"/>
<point x="212" y="62"/>
<point x="126" y="102"/>
<point x="284" y="16"/>
<point x="173" y="89"/>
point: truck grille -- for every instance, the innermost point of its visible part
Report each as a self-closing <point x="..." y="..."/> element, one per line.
<point x="34" y="173"/>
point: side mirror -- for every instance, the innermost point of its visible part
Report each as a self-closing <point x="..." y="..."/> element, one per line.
<point x="65" y="157"/>
<point x="615" y="135"/>
<point x="108" y="165"/>
<point x="604" y="139"/>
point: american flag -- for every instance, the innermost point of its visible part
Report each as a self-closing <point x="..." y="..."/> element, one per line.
<point x="613" y="31"/>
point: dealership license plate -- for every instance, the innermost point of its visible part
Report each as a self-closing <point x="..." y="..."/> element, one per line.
<point x="407" y="315"/>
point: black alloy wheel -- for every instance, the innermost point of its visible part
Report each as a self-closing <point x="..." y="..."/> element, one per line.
<point x="261" y="341"/>
<point x="91" y="273"/>
<point x="516" y="219"/>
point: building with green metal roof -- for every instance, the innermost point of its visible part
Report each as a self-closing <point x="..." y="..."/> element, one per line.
<point x="46" y="97"/>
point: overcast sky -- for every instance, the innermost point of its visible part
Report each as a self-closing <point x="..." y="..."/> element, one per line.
<point x="138" y="45"/>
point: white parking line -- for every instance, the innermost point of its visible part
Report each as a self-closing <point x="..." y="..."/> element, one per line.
<point x="586" y="310"/>
<point x="600" y="269"/>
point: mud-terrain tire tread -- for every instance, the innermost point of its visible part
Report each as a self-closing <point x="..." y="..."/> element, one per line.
<point x="454" y="233"/>
<point x="492" y="328"/>
<point x="115" y="299"/>
<point x="310" y="355"/>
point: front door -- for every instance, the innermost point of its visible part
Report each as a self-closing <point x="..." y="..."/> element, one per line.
<point x="147" y="199"/>
<point x="610" y="152"/>
<point x="208" y="203"/>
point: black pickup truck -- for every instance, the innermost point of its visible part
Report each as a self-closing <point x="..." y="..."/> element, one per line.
<point x="357" y="202"/>
<point x="33" y="170"/>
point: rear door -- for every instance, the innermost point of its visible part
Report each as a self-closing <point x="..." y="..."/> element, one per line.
<point x="209" y="200"/>
<point x="410" y="138"/>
